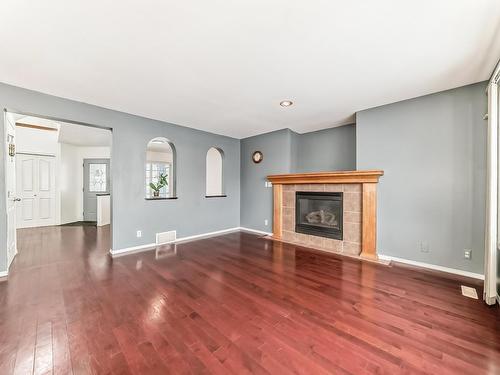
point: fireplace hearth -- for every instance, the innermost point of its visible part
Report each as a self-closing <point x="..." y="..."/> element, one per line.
<point x="319" y="214"/>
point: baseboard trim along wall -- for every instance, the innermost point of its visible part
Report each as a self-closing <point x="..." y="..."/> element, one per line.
<point x="205" y="235"/>
<point x="3" y="275"/>
<point x="133" y="249"/>
<point x="244" y="229"/>
<point x="150" y="246"/>
<point x="433" y="267"/>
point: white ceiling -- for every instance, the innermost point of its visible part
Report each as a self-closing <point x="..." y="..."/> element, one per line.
<point x="78" y="135"/>
<point x="31" y="120"/>
<point x="224" y="66"/>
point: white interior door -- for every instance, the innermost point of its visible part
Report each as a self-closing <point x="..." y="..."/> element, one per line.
<point x="35" y="179"/>
<point x="46" y="197"/>
<point x="10" y="185"/>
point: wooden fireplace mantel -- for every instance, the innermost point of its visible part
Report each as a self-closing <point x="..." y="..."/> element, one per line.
<point x="340" y="177"/>
<point x="368" y="180"/>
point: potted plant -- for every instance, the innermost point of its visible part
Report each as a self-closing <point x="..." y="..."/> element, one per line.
<point x="162" y="181"/>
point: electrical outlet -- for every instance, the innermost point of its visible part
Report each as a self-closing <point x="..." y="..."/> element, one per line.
<point x="468" y="254"/>
<point x="268" y="184"/>
<point x="424" y="247"/>
<point x="139" y="233"/>
<point x="266" y="222"/>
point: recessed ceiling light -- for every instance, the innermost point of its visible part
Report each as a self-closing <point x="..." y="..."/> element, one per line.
<point x="286" y="103"/>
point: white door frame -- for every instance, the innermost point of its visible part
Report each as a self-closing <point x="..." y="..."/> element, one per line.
<point x="492" y="224"/>
<point x="10" y="195"/>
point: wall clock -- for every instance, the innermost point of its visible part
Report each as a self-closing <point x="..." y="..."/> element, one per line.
<point x="257" y="157"/>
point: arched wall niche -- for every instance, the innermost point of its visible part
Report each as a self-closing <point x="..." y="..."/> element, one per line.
<point x="215" y="172"/>
<point x="160" y="169"/>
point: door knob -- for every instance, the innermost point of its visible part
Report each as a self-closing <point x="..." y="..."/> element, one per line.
<point x="17" y="199"/>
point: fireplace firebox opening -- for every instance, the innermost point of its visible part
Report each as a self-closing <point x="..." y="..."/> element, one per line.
<point x="319" y="214"/>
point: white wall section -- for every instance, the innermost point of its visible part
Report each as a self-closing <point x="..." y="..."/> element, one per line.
<point x="214" y="170"/>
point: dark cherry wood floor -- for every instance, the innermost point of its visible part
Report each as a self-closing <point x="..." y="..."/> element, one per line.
<point x="231" y="304"/>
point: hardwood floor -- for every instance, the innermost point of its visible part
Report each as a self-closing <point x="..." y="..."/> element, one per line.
<point x="231" y="304"/>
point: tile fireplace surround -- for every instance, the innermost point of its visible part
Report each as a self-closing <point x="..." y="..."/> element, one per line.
<point x="359" y="190"/>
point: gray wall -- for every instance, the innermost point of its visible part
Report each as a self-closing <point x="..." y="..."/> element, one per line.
<point x="331" y="149"/>
<point x="433" y="152"/>
<point x="256" y="199"/>
<point x="287" y="152"/>
<point x="191" y="214"/>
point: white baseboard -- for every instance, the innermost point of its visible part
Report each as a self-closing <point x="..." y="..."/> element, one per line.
<point x="205" y="235"/>
<point x="136" y="249"/>
<point x="432" y="267"/>
<point x="3" y="275"/>
<point x="244" y="229"/>
<point x="133" y="249"/>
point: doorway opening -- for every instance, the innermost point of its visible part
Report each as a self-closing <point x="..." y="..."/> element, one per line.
<point x="57" y="174"/>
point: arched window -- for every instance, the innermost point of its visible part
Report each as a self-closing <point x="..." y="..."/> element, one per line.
<point x="160" y="169"/>
<point x="215" y="186"/>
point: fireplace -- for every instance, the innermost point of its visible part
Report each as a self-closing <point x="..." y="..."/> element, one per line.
<point x="354" y="230"/>
<point x="319" y="214"/>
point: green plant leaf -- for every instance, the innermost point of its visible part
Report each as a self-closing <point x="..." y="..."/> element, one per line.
<point x="162" y="180"/>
